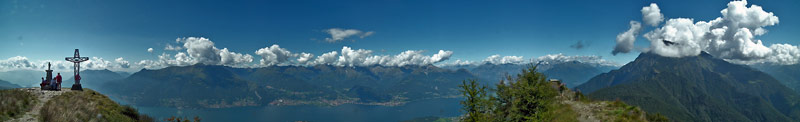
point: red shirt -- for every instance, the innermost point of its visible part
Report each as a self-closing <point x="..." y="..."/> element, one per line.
<point x="58" y="78"/>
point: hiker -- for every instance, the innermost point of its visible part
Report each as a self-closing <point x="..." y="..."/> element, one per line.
<point x="58" y="81"/>
<point x="78" y="77"/>
<point x="44" y="82"/>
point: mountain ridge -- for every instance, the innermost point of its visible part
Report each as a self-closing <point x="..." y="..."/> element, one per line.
<point x="698" y="88"/>
<point x="213" y="86"/>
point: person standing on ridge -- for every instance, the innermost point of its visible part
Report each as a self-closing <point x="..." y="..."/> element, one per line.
<point x="58" y="81"/>
<point x="78" y="77"/>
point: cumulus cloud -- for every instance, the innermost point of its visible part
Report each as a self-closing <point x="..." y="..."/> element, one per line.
<point x="326" y="58"/>
<point x="338" y="34"/>
<point x="274" y="55"/>
<point x="231" y="58"/>
<point x="678" y="38"/>
<point x="497" y="59"/>
<point x="202" y="50"/>
<point x="625" y="40"/>
<point x="304" y="58"/>
<point x="561" y="58"/>
<point x="545" y="60"/>
<point x="149" y="50"/>
<point x="362" y="57"/>
<point x="198" y="50"/>
<point x="460" y="62"/>
<point x="730" y="37"/>
<point x="17" y="62"/>
<point x="122" y="62"/>
<point x="94" y="63"/>
<point x="651" y="15"/>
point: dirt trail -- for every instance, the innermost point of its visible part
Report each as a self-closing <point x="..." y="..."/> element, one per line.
<point x="43" y="96"/>
<point x="587" y="111"/>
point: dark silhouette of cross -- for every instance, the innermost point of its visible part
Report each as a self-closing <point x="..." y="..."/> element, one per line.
<point x="77" y="59"/>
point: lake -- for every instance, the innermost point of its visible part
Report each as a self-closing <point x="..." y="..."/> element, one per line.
<point x="349" y="112"/>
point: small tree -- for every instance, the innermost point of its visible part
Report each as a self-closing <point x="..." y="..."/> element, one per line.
<point x="476" y="103"/>
<point x="528" y="97"/>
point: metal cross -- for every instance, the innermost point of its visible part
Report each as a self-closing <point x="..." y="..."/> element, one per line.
<point x="77" y="59"/>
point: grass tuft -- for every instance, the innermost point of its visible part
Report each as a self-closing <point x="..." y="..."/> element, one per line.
<point x="88" y="105"/>
<point x="15" y="103"/>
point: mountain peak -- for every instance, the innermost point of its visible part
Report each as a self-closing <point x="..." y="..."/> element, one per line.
<point x="696" y="88"/>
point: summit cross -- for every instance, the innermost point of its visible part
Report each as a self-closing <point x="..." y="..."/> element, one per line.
<point x="77" y="59"/>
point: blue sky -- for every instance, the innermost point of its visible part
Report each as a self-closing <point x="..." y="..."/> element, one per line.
<point x="473" y="30"/>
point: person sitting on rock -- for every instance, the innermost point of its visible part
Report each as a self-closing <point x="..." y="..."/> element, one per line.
<point x="44" y="83"/>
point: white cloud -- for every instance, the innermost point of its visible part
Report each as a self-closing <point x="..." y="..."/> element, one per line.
<point x="352" y="57"/>
<point x="625" y="40"/>
<point x="17" y="62"/>
<point x="149" y="50"/>
<point x="651" y="15"/>
<point x="304" y="58"/>
<point x="173" y="48"/>
<point x="366" y="34"/>
<point x="730" y="37"/>
<point x="338" y="34"/>
<point x="412" y="57"/>
<point x="326" y="58"/>
<point x="561" y="58"/>
<point x="94" y="63"/>
<point x="202" y="50"/>
<point x="678" y="38"/>
<point x="198" y="50"/>
<point x="274" y="55"/>
<point x="234" y="59"/>
<point x="546" y="60"/>
<point x="362" y="57"/>
<point x="461" y="62"/>
<point x="122" y="62"/>
<point x="497" y="59"/>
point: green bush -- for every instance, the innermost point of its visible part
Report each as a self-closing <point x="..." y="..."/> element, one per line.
<point x="529" y="97"/>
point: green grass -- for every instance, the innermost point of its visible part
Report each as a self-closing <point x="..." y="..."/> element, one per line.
<point x="15" y="103"/>
<point x="564" y="113"/>
<point x="622" y="112"/>
<point x="88" y="105"/>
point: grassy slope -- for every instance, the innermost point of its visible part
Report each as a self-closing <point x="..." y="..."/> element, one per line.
<point x="88" y="105"/>
<point x="15" y="103"/>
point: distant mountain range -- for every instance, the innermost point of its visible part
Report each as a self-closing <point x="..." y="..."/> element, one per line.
<point x="699" y="88"/>
<point x="32" y="78"/>
<point x="211" y="86"/>
<point x="572" y="73"/>
<point x="8" y="85"/>
<point x="789" y="75"/>
<point x="93" y="79"/>
<point x="24" y="78"/>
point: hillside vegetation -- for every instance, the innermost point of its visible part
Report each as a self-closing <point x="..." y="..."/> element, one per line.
<point x="15" y="103"/>
<point x="86" y="106"/>
<point x="530" y="97"/>
<point x="699" y="88"/>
